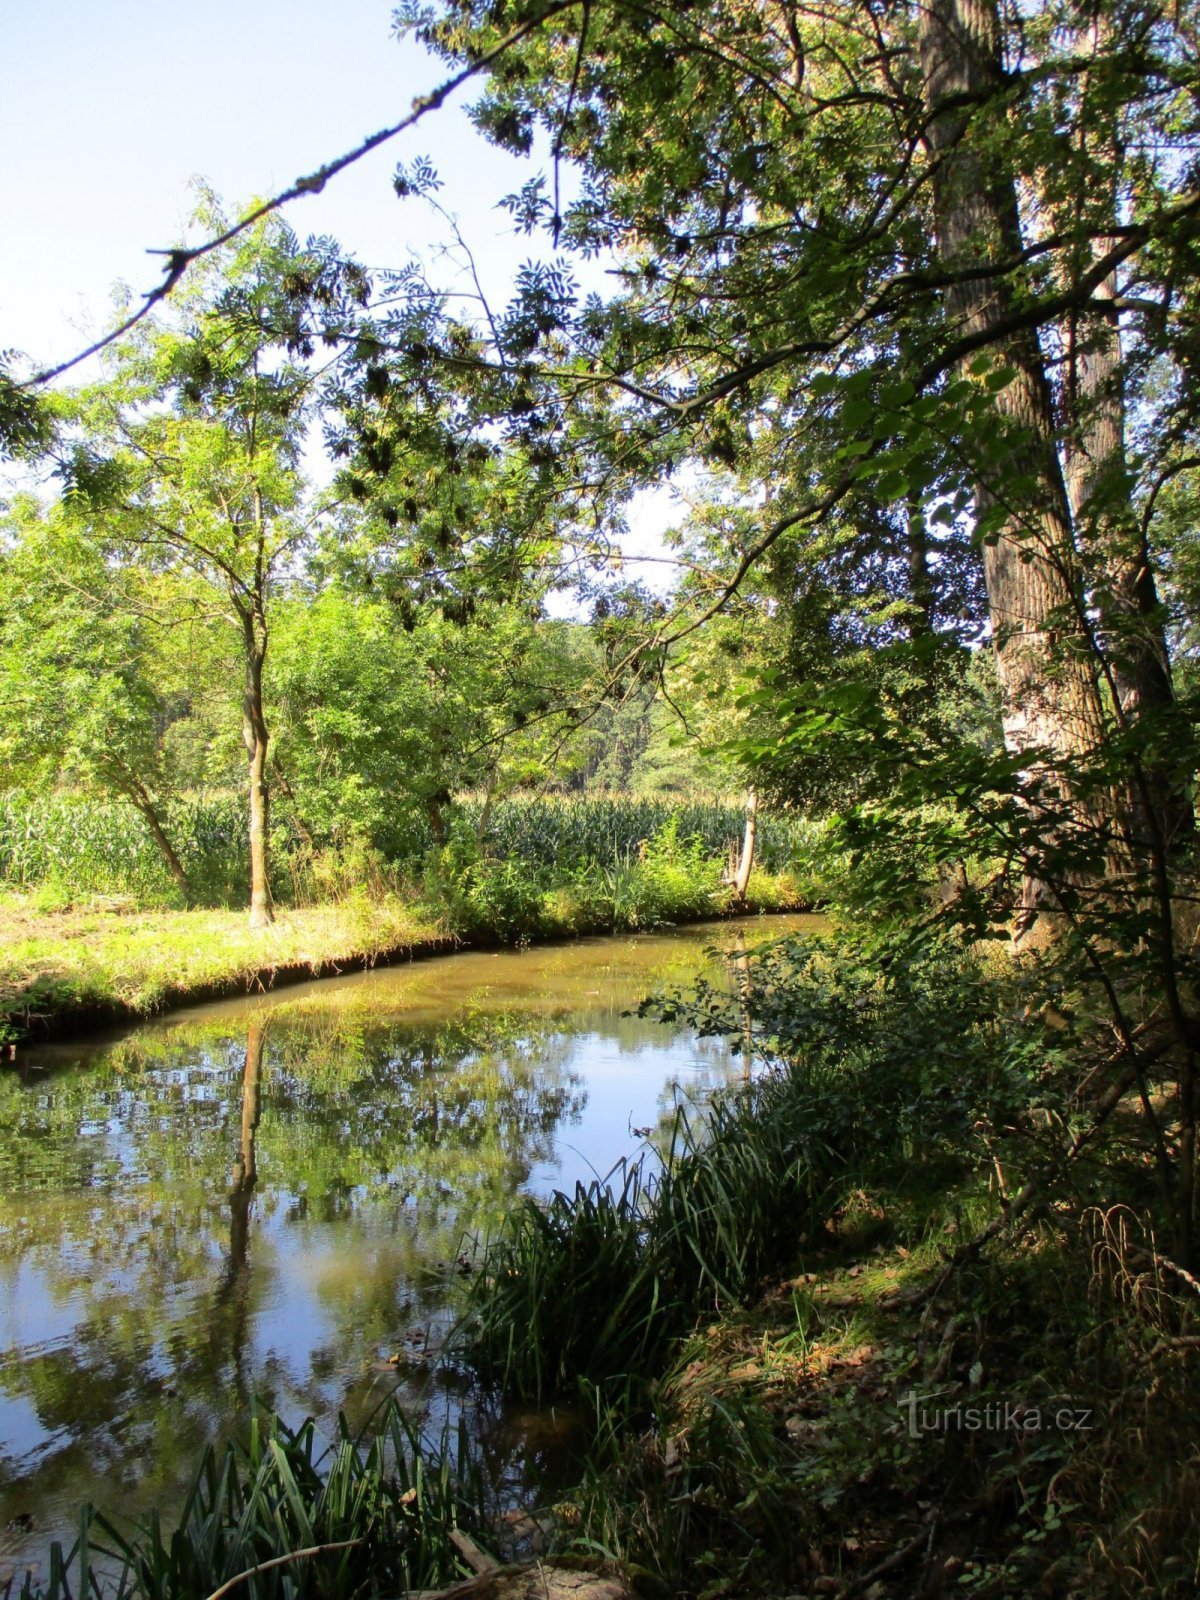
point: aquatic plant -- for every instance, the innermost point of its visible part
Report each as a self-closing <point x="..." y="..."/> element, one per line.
<point x="280" y="1517"/>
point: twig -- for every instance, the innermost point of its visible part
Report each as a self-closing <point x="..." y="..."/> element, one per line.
<point x="279" y="1561"/>
<point x="179" y="260"/>
<point x="1179" y="1272"/>
<point x="889" y="1563"/>
<point x="476" y="1559"/>
<point x="477" y="1585"/>
<point x="1186" y="1341"/>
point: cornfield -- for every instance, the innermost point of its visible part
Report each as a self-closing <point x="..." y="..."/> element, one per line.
<point x="566" y="832"/>
<point x="105" y="847"/>
<point x="93" y="846"/>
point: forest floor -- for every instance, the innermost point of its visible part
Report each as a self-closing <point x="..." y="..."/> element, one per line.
<point x="891" y="1426"/>
<point x="62" y="970"/>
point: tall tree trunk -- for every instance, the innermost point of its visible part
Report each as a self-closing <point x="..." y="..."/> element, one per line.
<point x="1096" y="483"/>
<point x="1051" y="694"/>
<point x="1107" y="524"/>
<point x="256" y="738"/>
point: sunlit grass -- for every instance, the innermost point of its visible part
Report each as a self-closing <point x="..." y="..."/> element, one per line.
<point x="106" y="960"/>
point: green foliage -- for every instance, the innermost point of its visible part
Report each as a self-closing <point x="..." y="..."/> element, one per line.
<point x="381" y="1509"/>
<point x="25" y="427"/>
<point x="377" y="723"/>
<point x="902" y="1066"/>
<point x="75" y="846"/>
<point x="567" y="1293"/>
<point x="554" y="866"/>
<point x="497" y="897"/>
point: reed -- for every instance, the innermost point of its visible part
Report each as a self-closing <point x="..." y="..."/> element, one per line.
<point x="588" y="1290"/>
<point x="279" y="1518"/>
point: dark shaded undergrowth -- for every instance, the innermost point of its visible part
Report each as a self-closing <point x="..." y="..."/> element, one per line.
<point x="894" y="1321"/>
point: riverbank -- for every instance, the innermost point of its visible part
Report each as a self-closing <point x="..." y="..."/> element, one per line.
<point x="900" y="1422"/>
<point x="103" y="963"/>
<point x="855" y="1338"/>
<point x="62" y="972"/>
<point x="872" y="1333"/>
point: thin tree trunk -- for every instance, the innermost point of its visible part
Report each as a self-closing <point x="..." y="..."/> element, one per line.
<point x="140" y="797"/>
<point x="256" y="740"/>
<point x="741" y="880"/>
<point x="1051" y="695"/>
<point x="485" y="812"/>
<point x="298" y="822"/>
<point x="437" y="822"/>
<point x="920" y="582"/>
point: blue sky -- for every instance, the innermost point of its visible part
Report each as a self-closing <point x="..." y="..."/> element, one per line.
<point x="111" y="107"/>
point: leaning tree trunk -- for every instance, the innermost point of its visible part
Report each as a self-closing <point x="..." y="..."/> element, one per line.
<point x="256" y="738"/>
<point x="1051" y="696"/>
<point x="139" y="794"/>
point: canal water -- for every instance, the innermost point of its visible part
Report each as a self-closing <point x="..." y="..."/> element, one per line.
<point x="266" y="1200"/>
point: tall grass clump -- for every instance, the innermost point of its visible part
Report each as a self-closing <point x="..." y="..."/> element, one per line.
<point x="590" y="1289"/>
<point x="286" y="1519"/>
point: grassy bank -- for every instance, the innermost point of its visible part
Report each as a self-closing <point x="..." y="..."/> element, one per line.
<point x="869" y="1424"/>
<point x="89" y="931"/>
<point x="65" y="971"/>
<point x="70" y="969"/>
<point x="877" y="1331"/>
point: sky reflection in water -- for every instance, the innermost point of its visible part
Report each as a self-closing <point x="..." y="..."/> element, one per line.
<point x="264" y="1200"/>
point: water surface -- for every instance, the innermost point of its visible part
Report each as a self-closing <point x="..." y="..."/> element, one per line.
<point x="266" y="1199"/>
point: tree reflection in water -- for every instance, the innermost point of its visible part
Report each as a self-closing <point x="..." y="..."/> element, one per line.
<point x="149" y="1290"/>
<point x="263" y="1202"/>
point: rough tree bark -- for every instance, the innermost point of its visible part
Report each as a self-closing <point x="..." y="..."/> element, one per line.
<point x="1052" y="699"/>
<point x="1107" y="525"/>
